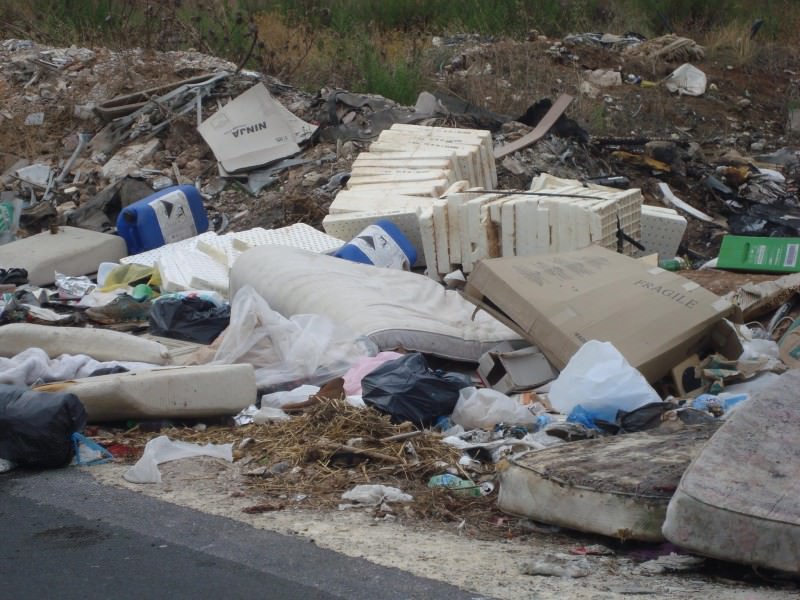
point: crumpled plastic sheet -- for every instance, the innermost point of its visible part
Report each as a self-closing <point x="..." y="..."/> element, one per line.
<point x="162" y="449"/>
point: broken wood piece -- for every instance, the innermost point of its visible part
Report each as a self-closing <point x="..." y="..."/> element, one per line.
<point x="401" y="436"/>
<point x="539" y="131"/>
<point x="360" y="451"/>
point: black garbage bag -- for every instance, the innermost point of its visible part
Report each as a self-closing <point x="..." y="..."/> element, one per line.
<point x="190" y="318"/>
<point x="36" y="427"/>
<point x="409" y="390"/>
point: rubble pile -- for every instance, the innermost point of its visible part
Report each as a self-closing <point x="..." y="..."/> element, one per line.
<point x="515" y="315"/>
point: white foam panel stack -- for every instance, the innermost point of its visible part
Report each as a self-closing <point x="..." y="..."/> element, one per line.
<point x="468" y="224"/>
<point x="404" y="173"/>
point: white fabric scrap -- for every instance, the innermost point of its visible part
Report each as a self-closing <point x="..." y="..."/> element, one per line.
<point x="162" y="449"/>
<point x="33" y="365"/>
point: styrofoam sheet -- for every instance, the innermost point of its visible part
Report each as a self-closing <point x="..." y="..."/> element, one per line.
<point x="189" y="269"/>
<point x="662" y="231"/>
<point x="297" y="235"/>
<point x="149" y="258"/>
<point x="428" y="236"/>
<point x="396" y="176"/>
<point x="71" y="251"/>
<point x="440" y="234"/>
<point x="482" y="138"/>
<point x="392" y="152"/>
<point x="362" y="201"/>
<point x="467" y="157"/>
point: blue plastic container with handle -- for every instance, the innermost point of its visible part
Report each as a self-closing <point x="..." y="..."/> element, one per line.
<point x="381" y="244"/>
<point x="171" y="215"/>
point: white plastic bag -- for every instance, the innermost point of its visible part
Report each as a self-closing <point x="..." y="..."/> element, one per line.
<point x="162" y="449"/>
<point x="484" y="408"/>
<point x="600" y="379"/>
<point x="302" y="349"/>
<point x="373" y="495"/>
<point x="688" y="80"/>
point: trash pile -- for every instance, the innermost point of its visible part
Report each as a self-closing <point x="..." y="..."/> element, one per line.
<point x="545" y="350"/>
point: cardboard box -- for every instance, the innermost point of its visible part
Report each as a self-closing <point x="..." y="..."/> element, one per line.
<point x="510" y="371"/>
<point x="253" y="130"/>
<point x="757" y="254"/>
<point x="655" y="318"/>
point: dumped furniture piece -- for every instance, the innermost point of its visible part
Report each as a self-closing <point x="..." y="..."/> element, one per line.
<point x="616" y="486"/>
<point x="740" y="498"/>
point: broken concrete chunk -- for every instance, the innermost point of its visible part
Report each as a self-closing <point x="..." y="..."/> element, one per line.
<point x="129" y="160"/>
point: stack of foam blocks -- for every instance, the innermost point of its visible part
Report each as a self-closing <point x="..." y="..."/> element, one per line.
<point x="431" y="182"/>
<point x="405" y="171"/>
<point x="467" y="225"/>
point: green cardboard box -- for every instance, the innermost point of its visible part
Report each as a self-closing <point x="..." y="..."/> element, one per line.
<point x="770" y="255"/>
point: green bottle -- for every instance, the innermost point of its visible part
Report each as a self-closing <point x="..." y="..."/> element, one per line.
<point x="674" y="264"/>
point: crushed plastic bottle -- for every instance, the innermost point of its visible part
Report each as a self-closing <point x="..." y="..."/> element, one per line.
<point x="462" y="487"/>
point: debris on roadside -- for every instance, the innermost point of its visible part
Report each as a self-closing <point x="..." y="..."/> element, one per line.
<point x="429" y="312"/>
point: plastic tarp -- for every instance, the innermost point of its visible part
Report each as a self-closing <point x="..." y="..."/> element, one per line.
<point x="162" y="449"/>
<point x="286" y="352"/>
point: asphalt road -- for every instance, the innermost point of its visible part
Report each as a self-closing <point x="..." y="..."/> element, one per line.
<point x="63" y="535"/>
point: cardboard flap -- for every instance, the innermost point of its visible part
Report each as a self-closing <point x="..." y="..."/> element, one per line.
<point x="252" y="130"/>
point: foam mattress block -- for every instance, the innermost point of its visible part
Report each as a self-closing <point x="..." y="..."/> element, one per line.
<point x="164" y="393"/>
<point x="394" y="308"/>
<point x="100" y="344"/>
<point x="740" y="498"/>
<point x="616" y="486"/>
<point x="71" y="251"/>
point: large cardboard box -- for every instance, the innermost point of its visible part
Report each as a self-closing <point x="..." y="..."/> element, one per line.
<point x="655" y="318"/>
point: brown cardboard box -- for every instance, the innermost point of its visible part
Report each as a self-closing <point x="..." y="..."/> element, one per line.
<point x="510" y="370"/>
<point x="655" y="318"/>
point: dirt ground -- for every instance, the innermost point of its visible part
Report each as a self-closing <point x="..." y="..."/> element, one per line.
<point x="743" y="112"/>
<point x="492" y="567"/>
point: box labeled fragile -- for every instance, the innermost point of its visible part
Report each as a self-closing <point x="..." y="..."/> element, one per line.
<point x="759" y="254"/>
<point x="558" y="302"/>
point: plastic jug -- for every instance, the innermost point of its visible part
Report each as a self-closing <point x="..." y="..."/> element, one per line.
<point x="381" y="244"/>
<point x="171" y="215"/>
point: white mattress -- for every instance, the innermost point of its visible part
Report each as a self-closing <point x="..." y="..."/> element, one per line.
<point x="393" y="308"/>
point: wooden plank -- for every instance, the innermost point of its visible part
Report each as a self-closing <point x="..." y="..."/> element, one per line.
<point x="539" y="131"/>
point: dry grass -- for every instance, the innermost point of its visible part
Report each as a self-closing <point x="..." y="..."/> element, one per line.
<point x="332" y="447"/>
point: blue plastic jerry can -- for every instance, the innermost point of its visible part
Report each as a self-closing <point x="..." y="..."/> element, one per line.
<point x="171" y="215"/>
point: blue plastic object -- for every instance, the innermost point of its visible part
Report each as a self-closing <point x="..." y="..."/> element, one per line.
<point x="171" y="215"/>
<point x="381" y="244"/>
<point x="89" y="452"/>
<point x="588" y="418"/>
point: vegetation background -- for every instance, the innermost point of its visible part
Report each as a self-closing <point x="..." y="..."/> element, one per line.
<point x="384" y="46"/>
